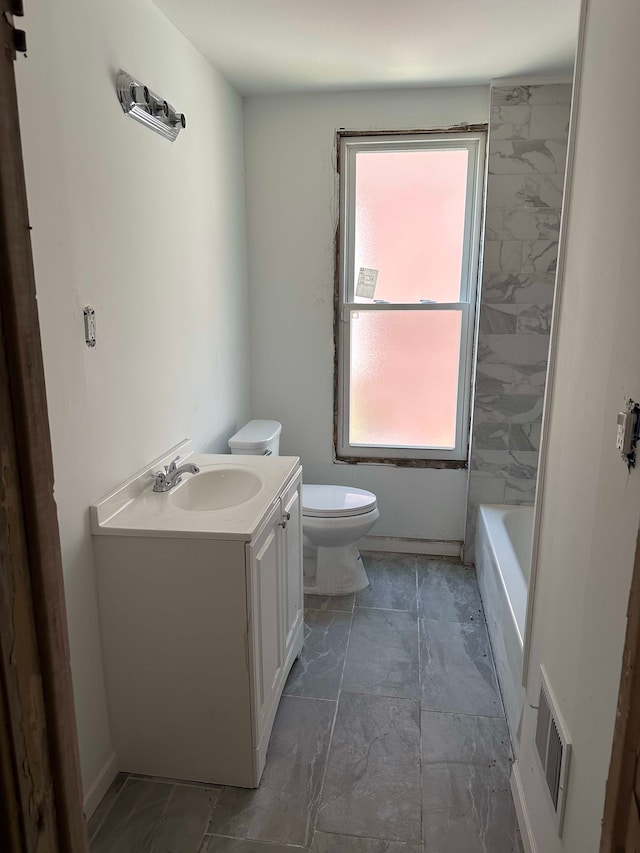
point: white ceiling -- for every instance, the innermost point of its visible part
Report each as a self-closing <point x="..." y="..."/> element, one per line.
<point x="326" y="45"/>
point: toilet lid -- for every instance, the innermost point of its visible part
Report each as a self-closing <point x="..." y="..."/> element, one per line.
<point x="336" y="501"/>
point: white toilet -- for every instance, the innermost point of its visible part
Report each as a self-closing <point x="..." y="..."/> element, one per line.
<point x="333" y="519"/>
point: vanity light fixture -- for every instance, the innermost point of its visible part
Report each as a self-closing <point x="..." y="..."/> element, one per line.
<point x="140" y="103"/>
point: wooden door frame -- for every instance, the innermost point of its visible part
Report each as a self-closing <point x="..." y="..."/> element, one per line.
<point x="40" y="785"/>
<point x="619" y="797"/>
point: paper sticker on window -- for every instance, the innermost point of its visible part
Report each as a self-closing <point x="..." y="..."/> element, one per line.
<point x="366" y="286"/>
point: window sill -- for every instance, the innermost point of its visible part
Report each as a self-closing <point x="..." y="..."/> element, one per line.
<point x="452" y="464"/>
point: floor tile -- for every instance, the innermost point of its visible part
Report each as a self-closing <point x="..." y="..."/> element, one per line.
<point x="466" y="739"/>
<point x="448" y="592"/>
<point x="318" y="671"/>
<point x="133" y="817"/>
<point x="95" y="821"/>
<point x="217" y="844"/>
<point x="383" y="654"/>
<point x="185" y="819"/>
<point x="372" y="784"/>
<point x="329" y="602"/>
<point x="283" y="809"/>
<point x="151" y="816"/>
<point x="468" y="809"/>
<point x="324" y="842"/>
<point x="392" y="581"/>
<point x="457" y="669"/>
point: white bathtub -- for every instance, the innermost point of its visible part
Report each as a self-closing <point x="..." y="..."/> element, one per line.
<point x="503" y="564"/>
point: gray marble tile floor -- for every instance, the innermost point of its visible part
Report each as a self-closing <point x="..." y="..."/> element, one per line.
<point x="390" y="738"/>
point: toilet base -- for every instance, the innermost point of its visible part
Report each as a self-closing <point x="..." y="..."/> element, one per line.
<point x="334" y="571"/>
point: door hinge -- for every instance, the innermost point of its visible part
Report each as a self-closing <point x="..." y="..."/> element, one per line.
<point x="19" y="37"/>
<point x="19" y="41"/>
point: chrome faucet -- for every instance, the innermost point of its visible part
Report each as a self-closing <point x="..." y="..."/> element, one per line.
<point x="171" y="475"/>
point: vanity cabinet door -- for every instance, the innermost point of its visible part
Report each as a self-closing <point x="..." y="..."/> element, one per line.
<point x="292" y="552"/>
<point x="265" y="621"/>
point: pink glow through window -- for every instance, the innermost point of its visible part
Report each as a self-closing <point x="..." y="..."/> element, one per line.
<point x="409" y="230"/>
<point x="404" y="377"/>
<point x="409" y="222"/>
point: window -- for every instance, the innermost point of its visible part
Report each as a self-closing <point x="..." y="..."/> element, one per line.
<point x="408" y="262"/>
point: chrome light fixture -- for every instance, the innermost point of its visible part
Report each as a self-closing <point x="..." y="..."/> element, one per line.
<point x="140" y="103"/>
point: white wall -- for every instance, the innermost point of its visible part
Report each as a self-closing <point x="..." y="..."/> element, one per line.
<point x="591" y="505"/>
<point x="152" y="235"/>
<point x="292" y="217"/>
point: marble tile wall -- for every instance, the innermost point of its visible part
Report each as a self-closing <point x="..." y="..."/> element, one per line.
<point x="528" y="134"/>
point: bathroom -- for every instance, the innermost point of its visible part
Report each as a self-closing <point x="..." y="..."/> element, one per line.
<point x="210" y="265"/>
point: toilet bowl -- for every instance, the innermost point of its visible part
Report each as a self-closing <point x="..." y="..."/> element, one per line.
<point x="333" y="519"/>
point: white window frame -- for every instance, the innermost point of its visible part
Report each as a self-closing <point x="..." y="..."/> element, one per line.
<point x="349" y="146"/>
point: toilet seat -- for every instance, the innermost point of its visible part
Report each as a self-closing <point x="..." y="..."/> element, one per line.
<point x="336" y="501"/>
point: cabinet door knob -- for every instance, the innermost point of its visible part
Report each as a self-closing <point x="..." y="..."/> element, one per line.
<point x="286" y="516"/>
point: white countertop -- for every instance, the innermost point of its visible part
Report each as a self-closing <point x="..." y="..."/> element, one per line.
<point x="134" y="509"/>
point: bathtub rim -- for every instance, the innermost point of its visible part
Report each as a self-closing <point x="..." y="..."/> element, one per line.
<point x="501" y="545"/>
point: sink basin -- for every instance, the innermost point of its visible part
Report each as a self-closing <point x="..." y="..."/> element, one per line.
<point x="217" y="489"/>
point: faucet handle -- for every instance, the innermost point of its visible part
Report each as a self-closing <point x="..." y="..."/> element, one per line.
<point x="173" y="465"/>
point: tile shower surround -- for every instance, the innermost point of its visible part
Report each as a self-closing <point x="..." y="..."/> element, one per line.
<point x="390" y="738"/>
<point x="528" y="133"/>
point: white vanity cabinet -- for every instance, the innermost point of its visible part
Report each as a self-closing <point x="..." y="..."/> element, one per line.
<point x="276" y="616"/>
<point x="294" y="606"/>
<point x="200" y="631"/>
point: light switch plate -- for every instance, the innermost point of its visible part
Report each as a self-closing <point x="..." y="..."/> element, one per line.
<point x="628" y="432"/>
<point x="90" y="326"/>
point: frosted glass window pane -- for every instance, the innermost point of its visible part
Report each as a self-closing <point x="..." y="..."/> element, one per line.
<point x="409" y="223"/>
<point x="404" y="377"/>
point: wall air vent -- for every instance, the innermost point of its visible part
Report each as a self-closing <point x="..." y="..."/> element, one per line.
<point x="554" y="749"/>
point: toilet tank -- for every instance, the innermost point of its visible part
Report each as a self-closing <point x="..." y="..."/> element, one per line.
<point x="257" y="438"/>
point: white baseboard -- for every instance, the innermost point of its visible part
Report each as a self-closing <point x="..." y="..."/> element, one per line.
<point x="101" y="785"/>
<point x="524" y="823"/>
<point x="408" y="545"/>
